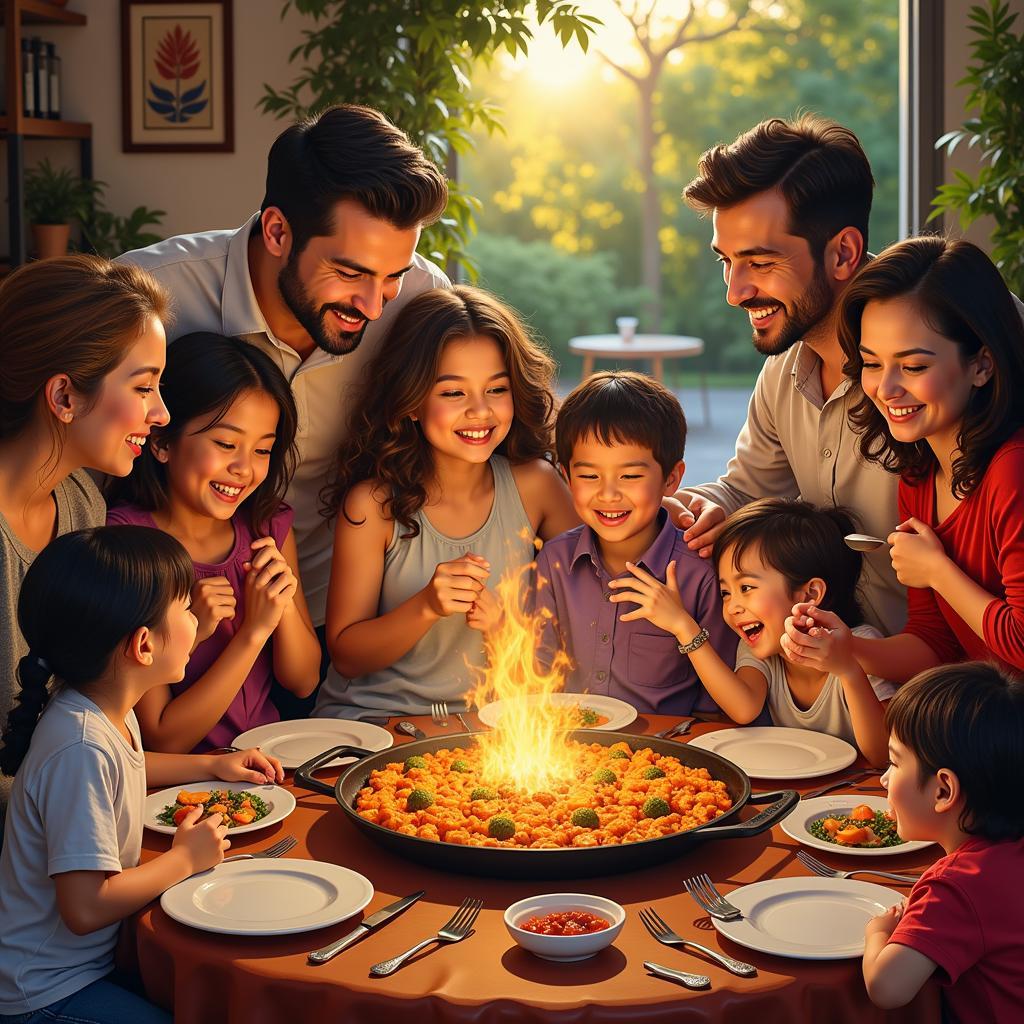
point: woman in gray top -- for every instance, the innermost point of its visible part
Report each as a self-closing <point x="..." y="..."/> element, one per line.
<point x="441" y="490"/>
<point x="82" y="346"/>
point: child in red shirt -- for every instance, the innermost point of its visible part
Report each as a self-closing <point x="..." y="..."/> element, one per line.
<point x="957" y="754"/>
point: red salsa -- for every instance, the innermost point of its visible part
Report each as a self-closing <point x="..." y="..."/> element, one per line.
<point x="566" y="922"/>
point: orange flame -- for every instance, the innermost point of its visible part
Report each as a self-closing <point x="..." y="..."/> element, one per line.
<point x="529" y="747"/>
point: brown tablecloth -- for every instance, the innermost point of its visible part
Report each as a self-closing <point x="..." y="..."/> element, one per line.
<point x="218" y="978"/>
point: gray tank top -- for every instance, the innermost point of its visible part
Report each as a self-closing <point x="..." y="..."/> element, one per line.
<point x="436" y="668"/>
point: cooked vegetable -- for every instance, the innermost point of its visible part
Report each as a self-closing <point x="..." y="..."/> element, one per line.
<point x="656" y="807"/>
<point x="501" y="826"/>
<point x="585" y="817"/>
<point x="483" y="793"/>
<point x="862" y="813"/>
<point x="604" y="777"/>
<point x="852" y="830"/>
<point x="241" y="807"/>
<point x="619" y="755"/>
<point x="459" y="766"/>
<point x="415" y="762"/>
<point x="653" y="772"/>
<point x="419" y="800"/>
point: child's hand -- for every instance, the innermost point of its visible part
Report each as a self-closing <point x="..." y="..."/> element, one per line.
<point x="884" y="924"/>
<point x="485" y="613"/>
<point x="657" y="602"/>
<point x="916" y="553"/>
<point x="204" y="842"/>
<point x="818" y="638"/>
<point x="270" y="586"/>
<point x="212" y="599"/>
<point x="456" y="585"/>
<point x="250" y="765"/>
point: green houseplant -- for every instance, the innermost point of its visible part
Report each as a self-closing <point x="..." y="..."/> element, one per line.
<point x="53" y="199"/>
<point x="996" y="80"/>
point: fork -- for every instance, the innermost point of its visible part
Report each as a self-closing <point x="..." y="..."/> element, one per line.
<point x="857" y="777"/>
<point x="825" y="871"/>
<point x="709" y="899"/>
<point x="455" y="929"/>
<point x="439" y="713"/>
<point x="653" y="922"/>
<point x="679" y="729"/>
<point x="279" y="849"/>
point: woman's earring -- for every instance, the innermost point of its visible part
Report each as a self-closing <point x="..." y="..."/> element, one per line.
<point x="68" y="417"/>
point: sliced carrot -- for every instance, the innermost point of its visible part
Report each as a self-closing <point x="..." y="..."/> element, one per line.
<point x="862" y="813"/>
<point x="852" y="836"/>
<point x="179" y="815"/>
<point x="243" y="817"/>
<point x="831" y="826"/>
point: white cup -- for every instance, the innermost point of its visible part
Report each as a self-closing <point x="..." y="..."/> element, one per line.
<point x="627" y="327"/>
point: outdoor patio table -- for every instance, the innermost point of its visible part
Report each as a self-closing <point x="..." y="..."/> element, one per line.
<point x="656" y="347"/>
<point x="488" y="978"/>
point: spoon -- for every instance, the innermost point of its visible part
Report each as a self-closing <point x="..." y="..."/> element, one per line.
<point x="410" y="730"/>
<point x="863" y="541"/>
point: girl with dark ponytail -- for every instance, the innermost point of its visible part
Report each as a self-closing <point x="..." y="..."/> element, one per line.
<point x="105" y="614"/>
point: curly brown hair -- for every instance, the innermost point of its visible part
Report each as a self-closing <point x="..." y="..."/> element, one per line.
<point x="960" y="295"/>
<point x="384" y="444"/>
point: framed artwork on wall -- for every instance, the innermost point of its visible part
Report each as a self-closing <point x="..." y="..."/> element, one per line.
<point x="177" y="77"/>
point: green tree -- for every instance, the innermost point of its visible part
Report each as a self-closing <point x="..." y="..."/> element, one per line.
<point x="415" y="62"/>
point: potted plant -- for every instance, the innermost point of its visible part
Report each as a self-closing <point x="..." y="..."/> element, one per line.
<point x="53" y="199"/>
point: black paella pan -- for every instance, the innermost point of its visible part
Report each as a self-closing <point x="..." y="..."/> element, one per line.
<point x="571" y="862"/>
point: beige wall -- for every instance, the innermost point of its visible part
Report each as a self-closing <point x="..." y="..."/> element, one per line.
<point x="956" y="57"/>
<point x="198" y="191"/>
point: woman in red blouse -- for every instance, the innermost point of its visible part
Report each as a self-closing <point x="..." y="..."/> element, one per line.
<point x="936" y="341"/>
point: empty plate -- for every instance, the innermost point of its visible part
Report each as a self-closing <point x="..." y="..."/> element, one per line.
<point x="806" y="918"/>
<point x="772" y="752"/>
<point x="267" y="897"/>
<point x="295" y="743"/>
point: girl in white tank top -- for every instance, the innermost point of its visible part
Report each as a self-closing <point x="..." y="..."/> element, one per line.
<point x="444" y="482"/>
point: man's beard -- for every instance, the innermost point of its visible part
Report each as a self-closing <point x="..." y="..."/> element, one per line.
<point x="313" y="320"/>
<point x="809" y="310"/>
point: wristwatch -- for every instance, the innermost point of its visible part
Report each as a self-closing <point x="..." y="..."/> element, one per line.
<point x="696" y="642"/>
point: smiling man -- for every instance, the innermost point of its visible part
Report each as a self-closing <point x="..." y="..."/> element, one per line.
<point x="789" y="202"/>
<point x="314" y="279"/>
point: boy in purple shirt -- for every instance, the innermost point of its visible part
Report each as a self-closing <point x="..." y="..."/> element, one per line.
<point x="620" y="438"/>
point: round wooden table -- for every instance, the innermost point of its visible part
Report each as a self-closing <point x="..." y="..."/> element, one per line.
<point x="656" y="347"/>
<point x="488" y="979"/>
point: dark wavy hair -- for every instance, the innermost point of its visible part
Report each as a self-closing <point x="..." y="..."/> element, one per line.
<point x="82" y="597"/>
<point x="968" y="718"/>
<point x="384" y="444"/>
<point x="800" y="541"/>
<point x="819" y="167"/>
<point x="625" y="407"/>
<point x="205" y="374"/>
<point x="350" y="152"/>
<point x="960" y="295"/>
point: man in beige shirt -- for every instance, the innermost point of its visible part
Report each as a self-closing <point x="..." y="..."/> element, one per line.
<point x="314" y="279"/>
<point x="790" y="203"/>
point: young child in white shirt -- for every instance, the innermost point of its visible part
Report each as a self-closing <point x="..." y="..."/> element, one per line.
<point x="105" y="612"/>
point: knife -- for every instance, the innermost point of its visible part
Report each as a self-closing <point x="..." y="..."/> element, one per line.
<point x="410" y="730"/>
<point x="382" y="916"/>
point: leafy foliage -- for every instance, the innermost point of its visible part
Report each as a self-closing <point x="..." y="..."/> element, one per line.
<point x="415" y="62"/>
<point x="996" y="80"/>
<point x="107" y="234"/>
<point x="55" y="196"/>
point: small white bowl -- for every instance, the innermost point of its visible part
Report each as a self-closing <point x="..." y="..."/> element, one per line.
<point x="564" y="948"/>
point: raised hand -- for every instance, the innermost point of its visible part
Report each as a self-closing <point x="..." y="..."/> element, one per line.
<point x="657" y="602"/>
<point x="816" y="637"/>
<point x="485" y="613"/>
<point x="204" y="841"/>
<point x="270" y="586"/>
<point x="708" y="521"/>
<point x="250" y="765"/>
<point x="456" y="585"/>
<point x="916" y="553"/>
<point x="212" y="599"/>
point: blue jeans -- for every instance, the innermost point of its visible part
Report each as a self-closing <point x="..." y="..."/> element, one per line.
<point x="102" y="1002"/>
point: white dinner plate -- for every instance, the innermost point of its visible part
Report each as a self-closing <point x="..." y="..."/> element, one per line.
<point x="771" y="752"/>
<point x="275" y="896"/>
<point x="295" y="743"/>
<point x="280" y="801"/>
<point x="618" y="712"/>
<point x="806" y="918"/>
<point x="809" y="811"/>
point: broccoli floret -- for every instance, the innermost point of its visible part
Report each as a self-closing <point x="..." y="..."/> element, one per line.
<point x="460" y="766"/>
<point x="587" y="716"/>
<point x="483" y="793"/>
<point x="419" y="800"/>
<point x="655" y="807"/>
<point x="604" y="777"/>
<point x="415" y="762"/>
<point x="585" y="817"/>
<point x="501" y="826"/>
<point x="654" y="772"/>
<point x="620" y="755"/>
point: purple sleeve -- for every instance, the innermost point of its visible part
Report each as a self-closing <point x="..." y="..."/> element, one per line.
<point x="281" y="523"/>
<point x="544" y="605"/>
<point x="708" y="613"/>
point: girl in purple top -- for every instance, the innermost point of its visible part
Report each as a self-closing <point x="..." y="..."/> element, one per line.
<point x="214" y="479"/>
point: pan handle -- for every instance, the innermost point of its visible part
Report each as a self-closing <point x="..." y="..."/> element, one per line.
<point x="785" y="801"/>
<point x="304" y="773"/>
